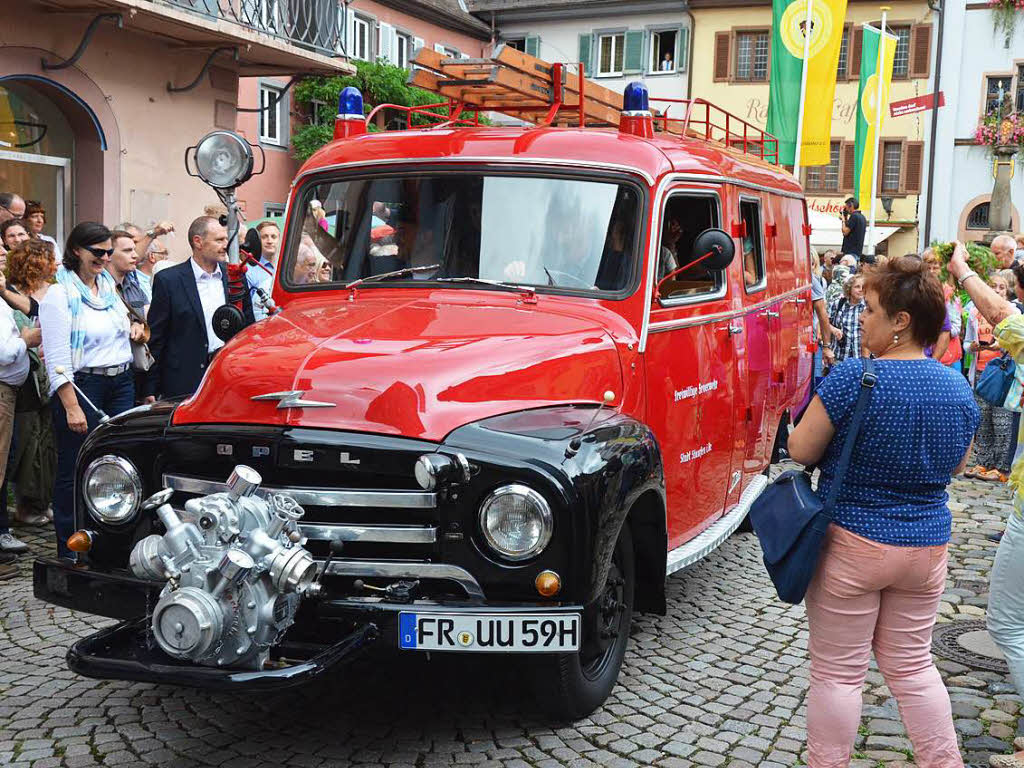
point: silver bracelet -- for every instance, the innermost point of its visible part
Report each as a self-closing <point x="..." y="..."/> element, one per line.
<point x="970" y="273"/>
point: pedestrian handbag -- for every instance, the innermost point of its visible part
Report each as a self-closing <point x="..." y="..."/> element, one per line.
<point x="142" y="358"/>
<point x="790" y="519"/>
<point x="995" y="381"/>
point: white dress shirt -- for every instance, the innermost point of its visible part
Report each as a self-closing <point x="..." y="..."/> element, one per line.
<point x="106" y="336"/>
<point x="212" y="296"/>
<point x="13" y="352"/>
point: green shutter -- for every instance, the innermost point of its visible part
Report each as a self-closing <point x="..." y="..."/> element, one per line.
<point x="586" y="46"/>
<point x="633" y="60"/>
<point x="533" y="45"/>
<point x="682" y="49"/>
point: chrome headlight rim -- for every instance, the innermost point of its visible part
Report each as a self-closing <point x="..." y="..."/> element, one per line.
<point x="546" y="517"/>
<point x="134" y="478"/>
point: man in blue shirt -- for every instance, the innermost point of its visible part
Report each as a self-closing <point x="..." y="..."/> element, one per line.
<point x="270" y="238"/>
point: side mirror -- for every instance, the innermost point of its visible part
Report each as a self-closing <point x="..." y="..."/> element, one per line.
<point x="713" y="248"/>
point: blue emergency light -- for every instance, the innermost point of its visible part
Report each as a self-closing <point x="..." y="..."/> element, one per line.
<point x="635" y="98"/>
<point x="350" y="102"/>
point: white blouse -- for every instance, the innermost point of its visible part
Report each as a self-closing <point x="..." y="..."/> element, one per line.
<point x="106" y="336"/>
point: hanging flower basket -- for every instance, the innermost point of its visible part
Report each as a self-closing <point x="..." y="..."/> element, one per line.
<point x="1002" y="135"/>
<point x="1006" y="13"/>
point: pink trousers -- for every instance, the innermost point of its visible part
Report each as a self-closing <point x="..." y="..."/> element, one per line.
<point x="869" y="597"/>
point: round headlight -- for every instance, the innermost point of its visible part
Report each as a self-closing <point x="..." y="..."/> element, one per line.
<point x="112" y="489"/>
<point x="223" y="159"/>
<point x="516" y="522"/>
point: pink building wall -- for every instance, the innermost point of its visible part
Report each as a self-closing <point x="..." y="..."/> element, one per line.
<point x="272" y="186"/>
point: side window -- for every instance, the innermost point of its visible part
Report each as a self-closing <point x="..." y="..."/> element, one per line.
<point x="753" y="245"/>
<point x="685" y="217"/>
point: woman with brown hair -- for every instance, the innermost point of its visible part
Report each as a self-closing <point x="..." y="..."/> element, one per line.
<point x="30" y="270"/>
<point x="35" y="215"/>
<point x="882" y="570"/>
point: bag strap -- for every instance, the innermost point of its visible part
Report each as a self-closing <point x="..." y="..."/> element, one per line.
<point x="868" y="380"/>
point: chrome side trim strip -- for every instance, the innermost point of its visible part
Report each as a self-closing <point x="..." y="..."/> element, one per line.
<point x="391" y="534"/>
<point x="390" y="569"/>
<point x="687" y="322"/>
<point x="708" y="540"/>
<point x="316" y="497"/>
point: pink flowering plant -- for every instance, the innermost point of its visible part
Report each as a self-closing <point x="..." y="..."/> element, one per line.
<point x="1001" y="131"/>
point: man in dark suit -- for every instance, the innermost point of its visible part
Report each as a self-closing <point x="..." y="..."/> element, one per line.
<point x="185" y="297"/>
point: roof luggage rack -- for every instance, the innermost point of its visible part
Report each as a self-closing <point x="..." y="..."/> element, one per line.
<point x="522" y="86"/>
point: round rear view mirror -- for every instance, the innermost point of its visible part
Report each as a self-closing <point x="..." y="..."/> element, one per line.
<point x="714" y="249"/>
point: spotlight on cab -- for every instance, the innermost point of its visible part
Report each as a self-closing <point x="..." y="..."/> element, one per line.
<point x="222" y="159"/>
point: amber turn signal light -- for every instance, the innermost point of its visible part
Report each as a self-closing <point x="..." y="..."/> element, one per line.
<point x="548" y="583"/>
<point x="80" y="541"/>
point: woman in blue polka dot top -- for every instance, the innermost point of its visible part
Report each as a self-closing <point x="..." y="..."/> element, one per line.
<point x="883" y="567"/>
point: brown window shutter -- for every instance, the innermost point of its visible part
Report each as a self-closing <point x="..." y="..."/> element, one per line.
<point x="847" y="162"/>
<point x="920" y="50"/>
<point x="721" y="56"/>
<point x="913" y="166"/>
<point x="853" y="56"/>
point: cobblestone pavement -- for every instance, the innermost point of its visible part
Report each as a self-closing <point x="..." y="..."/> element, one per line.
<point x="720" y="680"/>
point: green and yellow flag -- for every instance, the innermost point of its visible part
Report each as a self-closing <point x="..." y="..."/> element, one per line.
<point x="789" y="30"/>
<point x="864" y="149"/>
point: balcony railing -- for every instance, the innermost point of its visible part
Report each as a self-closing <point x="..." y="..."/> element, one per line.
<point x="316" y="25"/>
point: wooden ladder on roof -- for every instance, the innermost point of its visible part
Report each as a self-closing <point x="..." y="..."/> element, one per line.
<point x="517" y="84"/>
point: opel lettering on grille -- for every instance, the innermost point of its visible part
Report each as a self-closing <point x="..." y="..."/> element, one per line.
<point x="303" y="455"/>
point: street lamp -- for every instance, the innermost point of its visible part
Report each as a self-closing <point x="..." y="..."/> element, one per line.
<point x="887" y="206"/>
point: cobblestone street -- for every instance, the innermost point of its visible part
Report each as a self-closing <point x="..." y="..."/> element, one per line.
<point x="720" y="680"/>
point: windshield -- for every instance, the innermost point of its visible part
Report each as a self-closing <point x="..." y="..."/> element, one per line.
<point x="543" y="232"/>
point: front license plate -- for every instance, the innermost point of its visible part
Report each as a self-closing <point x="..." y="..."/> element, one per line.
<point x="494" y="633"/>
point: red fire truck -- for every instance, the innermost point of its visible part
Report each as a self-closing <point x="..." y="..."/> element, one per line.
<point x="518" y="377"/>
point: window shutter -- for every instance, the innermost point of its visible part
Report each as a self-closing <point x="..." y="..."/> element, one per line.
<point x="350" y="44"/>
<point x="854" y="53"/>
<point x="920" y="50"/>
<point x="721" y="56"/>
<point x="386" y="43"/>
<point x="586" y="53"/>
<point x="683" y="49"/>
<point x="847" y="166"/>
<point x="913" y="166"/>
<point x="633" y="59"/>
<point x="533" y="46"/>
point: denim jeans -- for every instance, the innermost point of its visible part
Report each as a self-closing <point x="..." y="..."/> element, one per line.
<point x="1006" y="600"/>
<point x="113" y="395"/>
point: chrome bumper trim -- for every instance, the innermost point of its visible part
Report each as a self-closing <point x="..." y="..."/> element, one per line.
<point x="392" y="569"/>
<point x="316" y="497"/>
<point x="391" y="534"/>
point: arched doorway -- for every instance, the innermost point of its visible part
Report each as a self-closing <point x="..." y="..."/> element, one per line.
<point x="51" y="150"/>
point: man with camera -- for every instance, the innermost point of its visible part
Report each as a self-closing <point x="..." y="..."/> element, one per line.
<point x="854" y="228"/>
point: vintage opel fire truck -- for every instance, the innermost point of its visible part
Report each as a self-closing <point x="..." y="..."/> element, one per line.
<point x="519" y="375"/>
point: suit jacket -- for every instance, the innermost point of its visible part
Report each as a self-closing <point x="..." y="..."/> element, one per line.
<point x="178" y="338"/>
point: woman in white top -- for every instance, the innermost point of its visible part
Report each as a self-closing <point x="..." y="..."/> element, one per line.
<point x="86" y="334"/>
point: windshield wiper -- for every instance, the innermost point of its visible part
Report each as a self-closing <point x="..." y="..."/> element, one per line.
<point x="527" y="289"/>
<point x="386" y="275"/>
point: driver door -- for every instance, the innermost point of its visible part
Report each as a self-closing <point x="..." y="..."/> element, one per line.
<point x="690" y="367"/>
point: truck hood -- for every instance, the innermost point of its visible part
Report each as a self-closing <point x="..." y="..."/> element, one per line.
<point x="414" y="366"/>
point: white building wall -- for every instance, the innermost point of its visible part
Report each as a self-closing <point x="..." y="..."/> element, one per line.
<point x="559" y="41"/>
<point x="972" y="49"/>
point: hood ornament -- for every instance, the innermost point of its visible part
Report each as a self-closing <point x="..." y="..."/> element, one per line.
<point x="292" y="399"/>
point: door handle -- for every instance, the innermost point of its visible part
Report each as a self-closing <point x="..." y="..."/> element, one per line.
<point x="732" y="330"/>
<point x="769" y="314"/>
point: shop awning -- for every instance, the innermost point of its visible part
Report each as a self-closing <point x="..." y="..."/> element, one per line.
<point x="298" y="37"/>
<point x="827" y="232"/>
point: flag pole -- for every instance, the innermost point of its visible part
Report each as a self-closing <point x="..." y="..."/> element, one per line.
<point x="869" y="246"/>
<point x="803" y="92"/>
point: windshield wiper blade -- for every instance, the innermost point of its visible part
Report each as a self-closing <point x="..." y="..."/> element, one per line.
<point x="386" y="275"/>
<point x="493" y="283"/>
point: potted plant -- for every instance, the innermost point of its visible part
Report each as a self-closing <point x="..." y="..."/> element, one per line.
<point x="1005" y="16"/>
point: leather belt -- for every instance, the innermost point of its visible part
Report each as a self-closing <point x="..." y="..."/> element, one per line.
<point x="113" y="370"/>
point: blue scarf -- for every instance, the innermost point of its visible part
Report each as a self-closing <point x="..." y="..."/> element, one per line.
<point x="77" y="293"/>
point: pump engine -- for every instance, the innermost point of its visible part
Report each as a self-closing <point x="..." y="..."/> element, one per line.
<point x="236" y="572"/>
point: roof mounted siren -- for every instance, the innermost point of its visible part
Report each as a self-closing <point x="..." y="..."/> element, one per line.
<point x="636" y="117"/>
<point x="350" y="120"/>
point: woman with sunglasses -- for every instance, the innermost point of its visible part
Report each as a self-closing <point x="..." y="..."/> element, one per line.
<point x="86" y="334"/>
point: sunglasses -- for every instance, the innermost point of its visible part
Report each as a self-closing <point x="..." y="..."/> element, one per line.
<point x="99" y="253"/>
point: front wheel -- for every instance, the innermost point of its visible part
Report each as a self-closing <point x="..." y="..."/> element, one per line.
<point x="572" y="685"/>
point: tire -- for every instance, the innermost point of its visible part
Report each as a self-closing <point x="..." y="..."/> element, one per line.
<point x="570" y="686"/>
